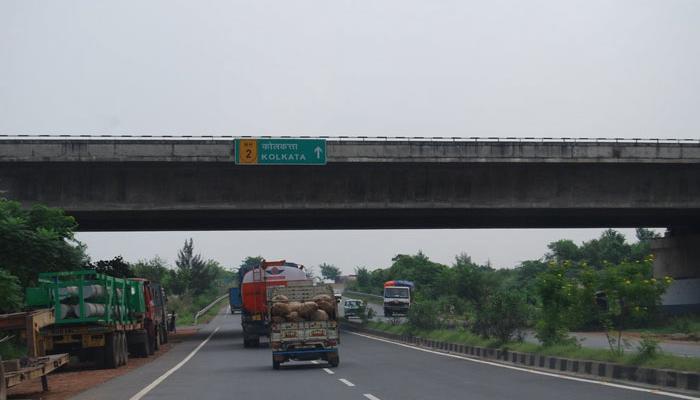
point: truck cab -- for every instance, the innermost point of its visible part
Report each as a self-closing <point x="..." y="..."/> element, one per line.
<point x="397" y="297"/>
<point x="255" y="284"/>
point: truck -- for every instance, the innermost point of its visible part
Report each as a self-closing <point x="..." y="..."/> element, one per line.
<point x="304" y="340"/>
<point x="255" y="283"/>
<point x="156" y="316"/>
<point x="397" y="297"/>
<point x="234" y="299"/>
<point x="100" y="318"/>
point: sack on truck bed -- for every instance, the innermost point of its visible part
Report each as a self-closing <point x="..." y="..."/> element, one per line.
<point x="307" y="309"/>
<point x="319" y="315"/>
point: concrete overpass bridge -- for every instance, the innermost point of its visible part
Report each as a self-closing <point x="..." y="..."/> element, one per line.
<point x="147" y="183"/>
<point x="176" y="183"/>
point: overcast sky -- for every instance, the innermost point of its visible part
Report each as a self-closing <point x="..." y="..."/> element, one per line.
<point x="377" y="68"/>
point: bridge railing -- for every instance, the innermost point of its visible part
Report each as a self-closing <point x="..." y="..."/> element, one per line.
<point x="477" y="139"/>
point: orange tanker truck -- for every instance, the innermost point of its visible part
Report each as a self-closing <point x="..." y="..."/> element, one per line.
<point x="256" y="283"/>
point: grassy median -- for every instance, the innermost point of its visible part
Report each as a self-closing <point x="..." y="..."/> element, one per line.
<point x="631" y="357"/>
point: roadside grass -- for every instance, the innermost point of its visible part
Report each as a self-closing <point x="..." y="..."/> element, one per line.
<point x="686" y="324"/>
<point x="186" y="306"/>
<point x="10" y="350"/>
<point x="631" y="356"/>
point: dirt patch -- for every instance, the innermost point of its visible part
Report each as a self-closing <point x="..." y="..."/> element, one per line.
<point x="69" y="381"/>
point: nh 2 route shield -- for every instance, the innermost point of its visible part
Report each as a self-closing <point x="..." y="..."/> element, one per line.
<point x="280" y="151"/>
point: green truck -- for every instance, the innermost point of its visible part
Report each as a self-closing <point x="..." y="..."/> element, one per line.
<point x="100" y="318"/>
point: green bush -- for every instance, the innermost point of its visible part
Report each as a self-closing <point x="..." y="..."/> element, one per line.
<point x="648" y="348"/>
<point x="11" y="298"/>
<point x="423" y="315"/>
<point x="558" y="295"/>
<point x="504" y="315"/>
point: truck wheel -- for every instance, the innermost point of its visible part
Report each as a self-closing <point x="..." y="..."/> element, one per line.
<point x="164" y="330"/>
<point x="125" y="349"/>
<point x="150" y="344"/>
<point x="333" y="360"/>
<point x="111" y="358"/>
<point x="156" y="340"/>
<point x="120" y="351"/>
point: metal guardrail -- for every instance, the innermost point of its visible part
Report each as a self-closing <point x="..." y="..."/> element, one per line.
<point x="363" y="294"/>
<point x="207" y="308"/>
<point x="357" y="138"/>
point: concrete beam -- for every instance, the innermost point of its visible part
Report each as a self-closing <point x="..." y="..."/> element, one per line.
<point x="358" y="151"/>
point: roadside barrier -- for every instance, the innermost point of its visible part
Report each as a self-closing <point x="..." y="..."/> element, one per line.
<point x="207" y="308"/>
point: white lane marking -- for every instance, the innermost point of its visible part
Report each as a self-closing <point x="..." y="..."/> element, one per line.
<point x="329" y="371"/>
<point x="370" y="396"/>
<point x="314" y="362"/>
<point x="533" y="371"/>
<point x="160" y="379"/>
<point x="347" y="382"/>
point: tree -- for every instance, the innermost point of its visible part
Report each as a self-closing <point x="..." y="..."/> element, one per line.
<point x="310" y="272"/>
<point x="11" y="299"/>
<point x="37" y="240"/>
<point x="250" y="262"/>
<point x="642" y="248"/>
<point x="193" y="274"/>
<point x="505" y="314"/>
<point x="116" y="267"/>
<point x="329" y="271"/>
<point x="610" y="247"/>
<point x="563" y="250"/>
<point x="558" y="294"/>
<point x="364" y="278"/>
<point x="155" y="270"/>
<point x="625" y="294"/>
<point x="416" y="268"/>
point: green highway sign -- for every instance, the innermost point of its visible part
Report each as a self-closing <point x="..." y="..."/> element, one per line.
<point x="280" y="151"/>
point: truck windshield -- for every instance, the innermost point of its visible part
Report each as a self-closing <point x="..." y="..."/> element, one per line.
<point x="396" y="292"/>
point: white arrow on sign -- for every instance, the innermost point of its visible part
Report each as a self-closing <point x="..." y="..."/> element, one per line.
<point x="318" y="152"/>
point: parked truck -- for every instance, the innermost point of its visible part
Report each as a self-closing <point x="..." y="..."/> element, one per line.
<point x="255" y="282"/>
<point x="397" y="297"/>
<point x="100" y="318"/>
<point x="234" y="299"/>
<point x="304" y="339"/>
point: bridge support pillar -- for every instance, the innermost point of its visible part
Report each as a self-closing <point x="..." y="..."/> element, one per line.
<point x="678" y="256"/>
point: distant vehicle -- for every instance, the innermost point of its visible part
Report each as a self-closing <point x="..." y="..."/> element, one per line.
<point x="352" y="307"/>
<point x="234" y="299"/>
<point x="337" y="296"/>
<point x="397" y="297"/>
<point x="255" y="284"/>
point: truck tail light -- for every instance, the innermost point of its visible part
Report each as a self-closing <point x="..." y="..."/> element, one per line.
<point x="331" y="342"/>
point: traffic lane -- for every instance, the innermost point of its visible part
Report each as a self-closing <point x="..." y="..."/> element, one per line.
<point x="224" y="369"/>
<point x="379" y="314"/>
<point x="127" y="385"/>
<point x="390" y="371"/>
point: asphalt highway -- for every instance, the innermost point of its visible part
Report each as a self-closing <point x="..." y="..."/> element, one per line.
<point x="214" y="365"/>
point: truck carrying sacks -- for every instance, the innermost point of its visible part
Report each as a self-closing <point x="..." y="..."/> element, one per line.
<point x="304" y="325"/>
